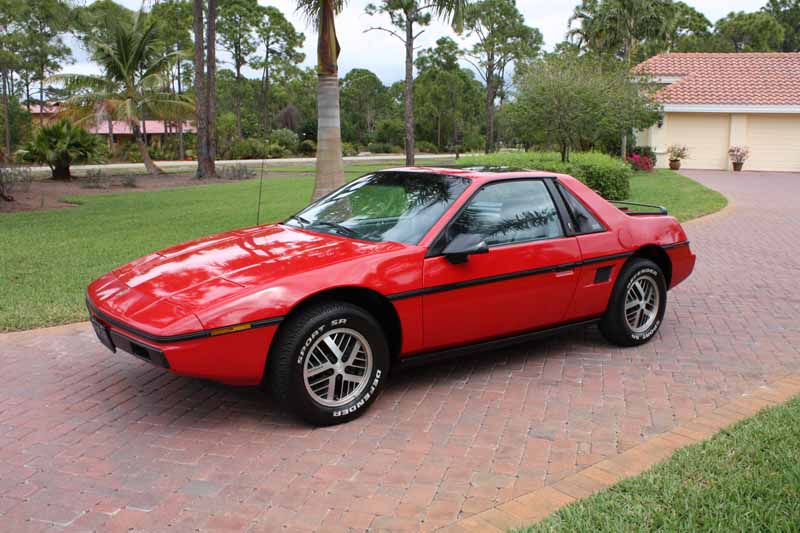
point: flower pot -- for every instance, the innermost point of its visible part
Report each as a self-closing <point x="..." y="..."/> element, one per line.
<point x="674" y="164"/>
<point x="737" y="167"/>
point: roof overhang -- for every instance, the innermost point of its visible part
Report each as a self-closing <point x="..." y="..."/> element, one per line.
<point x="731" y="108"/>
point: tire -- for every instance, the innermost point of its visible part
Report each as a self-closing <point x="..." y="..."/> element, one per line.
<point x="302" y="363"/>
<point x="635" y="325"/>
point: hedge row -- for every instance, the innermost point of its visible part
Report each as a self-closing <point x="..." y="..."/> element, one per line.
<point x="605" y="174"/>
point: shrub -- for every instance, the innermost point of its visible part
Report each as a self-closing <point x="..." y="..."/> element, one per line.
<point x="59" y="145"/>
<point x="308" y="147"/>
<point x="641" y="162"/>
<point x="607" y="175"/>
<point x="13" y="179"/>
<point x="645" y="151"/>
<point x="285" y="138"/>
<point x="95" y="179"/>
<point x="276" y="151"/>
<point x="129" y="181"/>
<point x="384" y="148"/>
<point x="249" y="149"/>
<point x="390" y="131"/>
<point x="426" y="147"/>
<point x="349" y="150"/>
<point x="236" y="172"/>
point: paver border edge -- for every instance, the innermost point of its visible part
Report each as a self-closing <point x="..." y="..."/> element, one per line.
<point x="535" y="506"/>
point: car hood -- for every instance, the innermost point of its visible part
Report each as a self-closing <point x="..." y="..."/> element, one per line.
<point x="203" y="272"/>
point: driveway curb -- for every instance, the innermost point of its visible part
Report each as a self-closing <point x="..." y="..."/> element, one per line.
<point x="537" y="505"/>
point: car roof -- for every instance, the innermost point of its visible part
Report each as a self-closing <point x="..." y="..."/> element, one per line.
<point x="480" y="173"/>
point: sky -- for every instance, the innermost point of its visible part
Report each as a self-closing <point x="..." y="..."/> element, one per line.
<point x="385" y="55"/>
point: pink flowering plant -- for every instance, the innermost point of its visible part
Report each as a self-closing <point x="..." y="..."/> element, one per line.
<point x="738" y="154"/>
<point x="677" y="152"/>
<point x="641" y="162"/>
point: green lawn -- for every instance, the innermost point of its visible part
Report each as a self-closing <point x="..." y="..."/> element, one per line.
<point x="684" y="198"/>
<point x="49" y="257"/>
<point x="746" y="478"/>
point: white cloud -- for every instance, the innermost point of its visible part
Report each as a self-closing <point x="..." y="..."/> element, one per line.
<point x="385" y="55"/>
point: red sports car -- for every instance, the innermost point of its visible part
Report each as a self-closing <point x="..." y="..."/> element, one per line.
<point x="397" y="267"/>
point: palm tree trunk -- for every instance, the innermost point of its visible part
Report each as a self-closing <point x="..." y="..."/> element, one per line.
<point x="110" y="124"/>
<point x="409" y="96"/>
<point x="151" y="167"/>
<point x="330" y="167"/>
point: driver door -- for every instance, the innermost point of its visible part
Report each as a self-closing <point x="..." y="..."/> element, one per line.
<point x="524" y="283"/>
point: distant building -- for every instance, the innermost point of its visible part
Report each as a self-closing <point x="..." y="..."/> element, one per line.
<point x="714" y="101"/>
<point x="154" y="130"/>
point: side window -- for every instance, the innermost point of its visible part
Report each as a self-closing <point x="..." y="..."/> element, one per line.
<point x="584" y="220"/>
<point x="510" y="212"/>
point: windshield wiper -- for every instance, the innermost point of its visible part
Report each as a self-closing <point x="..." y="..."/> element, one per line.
<point x="338" y="227"/>
<point x="303" y="222"/>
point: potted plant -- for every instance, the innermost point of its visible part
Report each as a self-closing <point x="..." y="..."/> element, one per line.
<point x="738" y="155"/>
<point x="676" y="153"/>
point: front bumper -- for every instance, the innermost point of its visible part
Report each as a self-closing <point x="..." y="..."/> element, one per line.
<point x="237" y="358"/>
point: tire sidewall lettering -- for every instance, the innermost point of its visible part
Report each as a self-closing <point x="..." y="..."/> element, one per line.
<point x="363" y="400"/>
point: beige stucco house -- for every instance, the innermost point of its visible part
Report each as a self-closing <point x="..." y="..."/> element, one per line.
<point x="714" y="101"/>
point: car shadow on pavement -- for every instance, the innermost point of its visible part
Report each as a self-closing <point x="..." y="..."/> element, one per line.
<point x="168" y="399"/>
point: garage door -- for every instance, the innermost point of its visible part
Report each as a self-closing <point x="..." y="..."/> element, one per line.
<point x="705" y="134"/>
<point x="774" y="142"/>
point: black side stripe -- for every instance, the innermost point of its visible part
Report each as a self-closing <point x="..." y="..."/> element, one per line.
<point x="172" y="338"/>
<point x="515" y="275"/>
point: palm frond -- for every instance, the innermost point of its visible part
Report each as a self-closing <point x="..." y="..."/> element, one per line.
<point x="311" y="10"/>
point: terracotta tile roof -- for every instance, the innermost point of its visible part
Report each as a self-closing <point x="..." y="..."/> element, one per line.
<point x="744" y="79"/>
<point x="120" y="127"/>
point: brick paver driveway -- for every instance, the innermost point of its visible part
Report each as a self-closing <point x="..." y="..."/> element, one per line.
<point x="91" y="440"/>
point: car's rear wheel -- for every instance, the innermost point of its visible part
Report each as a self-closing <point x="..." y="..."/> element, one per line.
<point x="328" y="363"/>
<point x="638" y="301"/>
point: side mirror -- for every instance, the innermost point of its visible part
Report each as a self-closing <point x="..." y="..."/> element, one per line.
<point x="463" y="246"/>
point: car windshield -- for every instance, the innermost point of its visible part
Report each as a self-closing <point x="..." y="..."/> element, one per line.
<point x="386" y="206"/>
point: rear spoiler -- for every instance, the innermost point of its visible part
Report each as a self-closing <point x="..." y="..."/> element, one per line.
<point x="625" y="208"/>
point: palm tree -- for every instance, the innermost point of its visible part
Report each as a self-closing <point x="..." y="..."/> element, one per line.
<point x="59" y="145"/>
<point x="133" y="84"/>
<point x="619" y="27"/>
<point x="330" y="165"/>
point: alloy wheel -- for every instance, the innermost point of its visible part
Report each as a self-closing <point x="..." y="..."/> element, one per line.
<point x="338" y="367"/>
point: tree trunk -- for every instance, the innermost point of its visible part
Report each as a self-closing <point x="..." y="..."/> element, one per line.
<point x="237" y="100"/>
<point x="61" y="171"/>
<point x="110" y="124"/>
<point x="6" y="118"/>
<point x="409" y="96"/>
<point x="266" y="90"/>
<point x="181" y="147"/>
<point x="201" y="91"/>
<point x="211" y="85"/>
<point x="330" y="167"/>
<point x="151" y="167"/>
<point x="624" y="143"/>
<point x="490" y="96"/>
<point x="41" y="99"/>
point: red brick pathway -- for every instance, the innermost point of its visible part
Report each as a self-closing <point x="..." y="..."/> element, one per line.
<point x="94" y="441"/>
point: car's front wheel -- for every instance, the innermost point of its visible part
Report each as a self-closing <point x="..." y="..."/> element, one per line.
<point x="328" y="363"/>
<point x="638" y="301"/>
